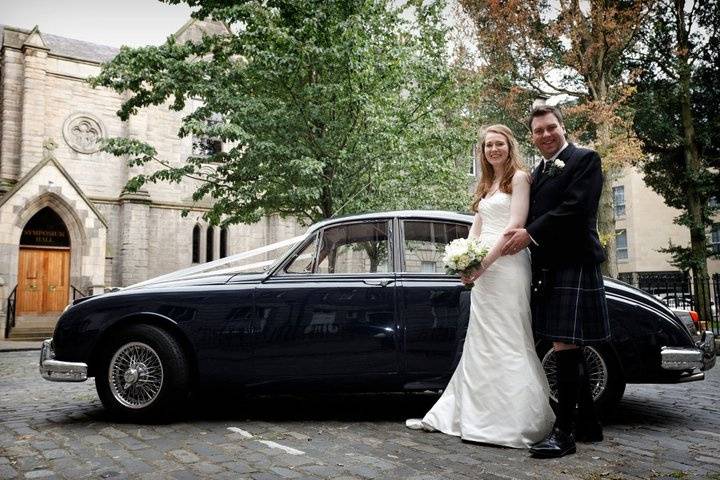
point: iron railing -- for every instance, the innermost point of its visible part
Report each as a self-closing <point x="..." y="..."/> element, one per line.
<point x="676" y="290"/>
<point x="77" y="293"/>
<point x="10" y="312"/>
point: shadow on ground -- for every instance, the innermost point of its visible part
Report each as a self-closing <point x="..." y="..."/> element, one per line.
<point x="387" y="407"/>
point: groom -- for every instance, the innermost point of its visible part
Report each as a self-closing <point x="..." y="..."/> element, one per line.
<point x="568" y="295"/>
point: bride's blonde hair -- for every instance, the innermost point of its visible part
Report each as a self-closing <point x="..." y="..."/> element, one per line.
<point x="512" y="165"/>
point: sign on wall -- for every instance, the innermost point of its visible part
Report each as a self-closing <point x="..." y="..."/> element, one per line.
<point x="45" y="229"/>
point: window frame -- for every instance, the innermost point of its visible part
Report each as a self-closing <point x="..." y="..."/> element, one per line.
<point x="209" y="243"/>
<point x="195" y="244"/>
<point x="715" y="230"/>
<point x="473" y="156"/>
<point x="401" y="245"/>
<point x="316" y="236"/>
<point x="616" y="205"/>
<point x="617" y="249"/>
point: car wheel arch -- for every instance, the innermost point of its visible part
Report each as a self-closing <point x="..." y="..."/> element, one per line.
<point x="164" y="323"/>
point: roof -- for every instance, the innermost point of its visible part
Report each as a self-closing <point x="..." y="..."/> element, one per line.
<point x="430" y="214"/>
<point x="15" y="37"/>
<point x="67" y="47"/>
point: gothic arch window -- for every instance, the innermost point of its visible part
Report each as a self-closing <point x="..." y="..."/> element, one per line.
<point x="223" y="242"/>
<point x="196" y="244"/>
<point x="210" y="245"/>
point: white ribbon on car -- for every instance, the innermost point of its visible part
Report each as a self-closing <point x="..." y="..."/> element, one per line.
<point x="211" y="268"/>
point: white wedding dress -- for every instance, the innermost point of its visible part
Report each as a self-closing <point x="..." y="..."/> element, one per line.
<point x="499" y="392"/>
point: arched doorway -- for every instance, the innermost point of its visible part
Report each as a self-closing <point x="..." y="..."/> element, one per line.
<point x="43" y="288"/>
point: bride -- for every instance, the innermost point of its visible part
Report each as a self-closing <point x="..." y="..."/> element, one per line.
<point x="499" y="393"/>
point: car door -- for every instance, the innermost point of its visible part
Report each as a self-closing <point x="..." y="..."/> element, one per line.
<point x="433" y="306"/>
<point x="330" y="311"/>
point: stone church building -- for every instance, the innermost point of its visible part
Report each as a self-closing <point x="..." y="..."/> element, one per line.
<point x="67" y="227"/>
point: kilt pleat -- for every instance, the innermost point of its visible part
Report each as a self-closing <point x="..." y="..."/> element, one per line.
<point x="569" y="305"/>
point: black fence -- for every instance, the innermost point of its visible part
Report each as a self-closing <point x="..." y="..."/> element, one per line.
<point x="676" y="290"/>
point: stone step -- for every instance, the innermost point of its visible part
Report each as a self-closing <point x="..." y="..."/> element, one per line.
<point x="24" y="334"/>
<point x="37" y="321"/>
<point x="34" y="327"/>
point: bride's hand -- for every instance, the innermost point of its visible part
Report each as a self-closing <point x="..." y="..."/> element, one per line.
<point x="472" y="275"/>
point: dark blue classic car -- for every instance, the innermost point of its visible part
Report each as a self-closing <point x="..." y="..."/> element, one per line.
<point x="359" y="303"/>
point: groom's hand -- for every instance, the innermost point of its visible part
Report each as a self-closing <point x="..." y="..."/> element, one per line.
<point x="517" y="239"/>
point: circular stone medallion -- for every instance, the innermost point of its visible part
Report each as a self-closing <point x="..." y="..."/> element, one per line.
<point x="82" y="131"/>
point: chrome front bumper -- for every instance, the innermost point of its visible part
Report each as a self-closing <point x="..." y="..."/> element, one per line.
<point x="701" y="357"/>
<point x="57" y="371"/>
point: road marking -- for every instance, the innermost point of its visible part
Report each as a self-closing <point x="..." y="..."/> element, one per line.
<point x="285" y="449"/>
<point x="241" y="432"/>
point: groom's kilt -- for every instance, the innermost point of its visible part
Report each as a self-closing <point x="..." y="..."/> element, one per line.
<point x="568" y="305"/>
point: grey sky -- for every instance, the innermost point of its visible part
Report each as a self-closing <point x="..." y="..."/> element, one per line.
<point x="105" y="22"/>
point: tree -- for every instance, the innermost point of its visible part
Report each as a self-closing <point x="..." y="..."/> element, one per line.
<point x="578" y="50"/>
<point x="329" y="107"/>
<point x="679" y="124"/>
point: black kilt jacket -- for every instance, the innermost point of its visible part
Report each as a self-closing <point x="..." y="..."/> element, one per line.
<point x="568" y="300"/>
<point x="563" y="211"/>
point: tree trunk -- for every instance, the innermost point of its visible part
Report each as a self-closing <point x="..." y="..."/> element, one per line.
<point x="606" y="213"/>
<point x="606" y="225"/>
<point x="698" y="245"/>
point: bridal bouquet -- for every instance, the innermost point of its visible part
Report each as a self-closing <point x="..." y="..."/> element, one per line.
<point x="462" y="255"/>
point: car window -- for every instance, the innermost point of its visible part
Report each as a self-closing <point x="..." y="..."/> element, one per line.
<point x="304" y="262"/>
<point x="425" y="243"/>
<point x="354" y="248"/>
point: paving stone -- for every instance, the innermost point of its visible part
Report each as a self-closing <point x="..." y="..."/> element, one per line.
<point x="184" y="456"/>
<point x="6" y="472"/>
<point x="185" y="475"/>
<point x="53" y="454"/>
<point x="39" y="474"/>
<point x="96" y="439"/>
<point x="112" y="432"/>
<point x="206" y="468"/>
<point x="239" y="467"/>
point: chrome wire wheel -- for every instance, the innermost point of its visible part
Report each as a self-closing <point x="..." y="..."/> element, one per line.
<point x="597" y="370"/>
<point x="135" y="375"/>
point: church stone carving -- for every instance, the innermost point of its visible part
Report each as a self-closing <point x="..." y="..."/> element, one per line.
<point x="83" y="132"/>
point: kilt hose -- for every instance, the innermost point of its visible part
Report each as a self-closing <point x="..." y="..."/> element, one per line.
<point x="568" y="304"/>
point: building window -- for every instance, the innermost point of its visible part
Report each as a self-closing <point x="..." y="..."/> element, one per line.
<point x="715" y="238"/>
<point x="210" y="244"/>
<point x="196" y="244"/>
<point x="205" y="145"/>
<point x="473" y="160"/>
<point x="621" y="246"/>
<point x="619" y="201"/>
<point x="427" y="267"/>
<point x="223" y="242"/>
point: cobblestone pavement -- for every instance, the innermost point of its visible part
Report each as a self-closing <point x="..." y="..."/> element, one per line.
<point x="59" y="430"/>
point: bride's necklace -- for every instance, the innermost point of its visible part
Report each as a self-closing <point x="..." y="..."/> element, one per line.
<point x="494" y="188"/>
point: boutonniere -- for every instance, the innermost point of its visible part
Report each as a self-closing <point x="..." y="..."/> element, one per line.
<point x="555" y="168"/>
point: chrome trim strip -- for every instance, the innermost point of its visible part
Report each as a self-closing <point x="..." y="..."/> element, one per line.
<point x="58" y="371"/>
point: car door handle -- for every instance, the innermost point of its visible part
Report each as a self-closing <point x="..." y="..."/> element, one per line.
<point x="378" y="283"/>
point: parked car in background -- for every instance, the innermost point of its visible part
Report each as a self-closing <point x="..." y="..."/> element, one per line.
<point x="360" y="303"/>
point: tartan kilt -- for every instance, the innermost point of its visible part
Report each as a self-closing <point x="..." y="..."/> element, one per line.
<point x="568" y="305"/>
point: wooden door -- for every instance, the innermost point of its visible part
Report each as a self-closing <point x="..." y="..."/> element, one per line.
<point x="43" y="280"/>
